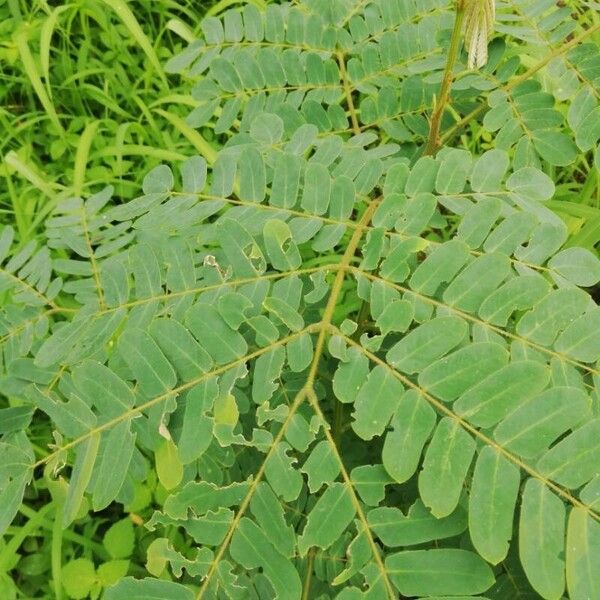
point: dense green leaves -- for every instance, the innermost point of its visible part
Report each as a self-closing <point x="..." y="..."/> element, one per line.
<point x="319" y="347"/>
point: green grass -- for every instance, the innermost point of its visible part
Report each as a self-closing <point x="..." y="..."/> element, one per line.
<point x="81" y="90"/>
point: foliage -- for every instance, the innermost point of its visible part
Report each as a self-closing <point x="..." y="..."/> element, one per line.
<point x="357" y="370"/>
<point x="69" y="123"/>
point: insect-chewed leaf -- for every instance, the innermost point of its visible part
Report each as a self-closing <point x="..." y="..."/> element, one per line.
<point x="251" y="547"/>
<point x="328" y="519"/>
<point x="418" y="526"/>
<point x="321" y="466"/>
<point x="285" y="480"/>
<point x="143" y="589"/>
<point x="574" y="460"/>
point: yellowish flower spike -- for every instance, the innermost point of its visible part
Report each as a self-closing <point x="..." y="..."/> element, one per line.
<point x="478" y="28"/>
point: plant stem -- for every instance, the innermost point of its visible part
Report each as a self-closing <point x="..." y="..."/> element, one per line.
<point x="348" y="93"/>
<point x="308" y="577"/>
<point x="433" y="143"/>
<point x="56" y="551"/>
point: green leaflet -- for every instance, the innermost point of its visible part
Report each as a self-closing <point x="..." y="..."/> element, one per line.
<point x="286" y="181"/>
<point x="534" y="426"/>
<point x="118" y="447"/>
<point x="220" y="341"/>
<point x="477" y="223"/>
<point x="578" y="341"/>
<point x="583" y="546"/>
<point x="148" y="589"/>
<point x="450" y="377"/>
<point x="577" y="265"/>
<point x="376" y="402"/>
<point x="188" y="357"/>
<point x="197" y="428"/>
<point x="15" y="475"/>
<point x="426" y="572"/>
<point x="439" y="267"/>
<point x="82" y="473"/>
<point x="152" y="370"/>
<point x="395" y="529"/>
<point x="426" y="343"/>
<point x="590" y="494"/>
<point x="100" y="387"/>
<point x="168" y="465"/>
<point x="552" y="314"/>
<point x="488" y="402"/>
<point x="445" y="467"/>
<point x="518" y="293"/>
<point x="453" y="172"/>
<point x="370" y="482"/>
<point x="411" y="427"/>
<point x="396" y="316"/>
<point x="252" y="176"/>
<point x="488" y="170"/>
<point x="477" y="281"/>
<point x="267" y="369"/>
<point x="532" y="183"/>
<point x="330" y="516"/>
<point x="284" y="313"/>
<point x="541" y="539"/>
<point x="573" y="461"/>
<point x="317" y="188"/>
<point x="494" y="490"/>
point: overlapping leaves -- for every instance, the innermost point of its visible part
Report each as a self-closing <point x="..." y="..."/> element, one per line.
<point x="339" y="400"/>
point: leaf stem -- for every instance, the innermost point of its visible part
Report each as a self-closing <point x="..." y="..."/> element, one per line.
<point x="433" y="142"/>
<point x="520" y="79"/>
<point x="348" y="93"/>
<point x="308" y="577"/>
